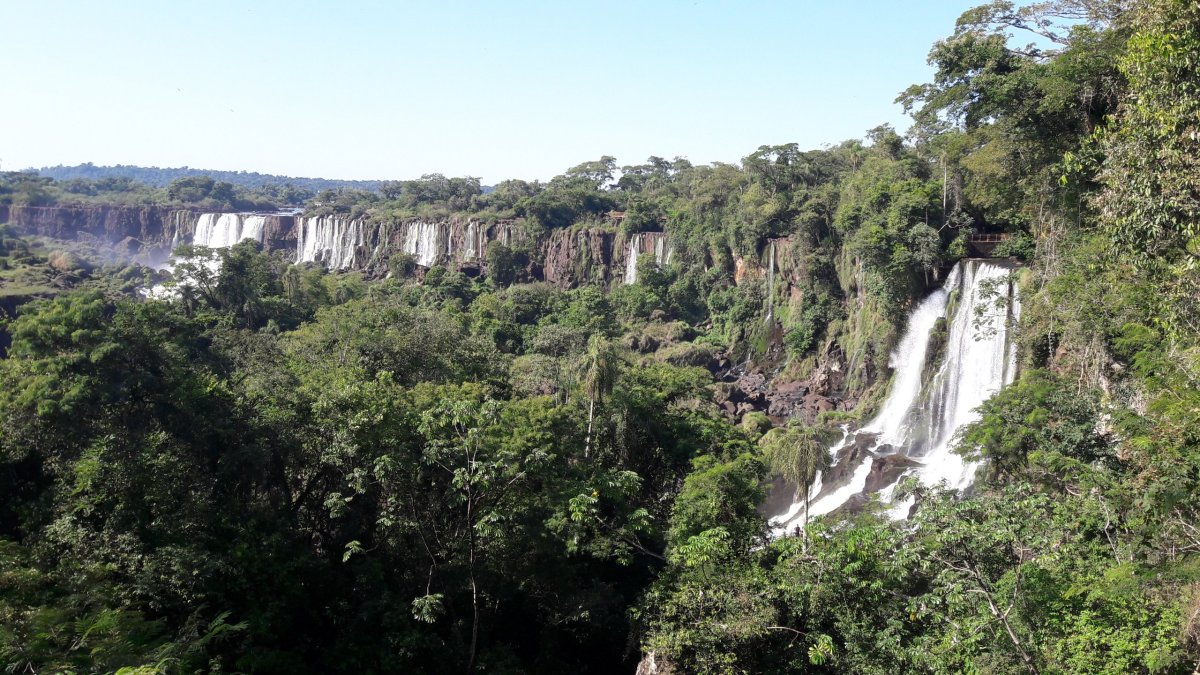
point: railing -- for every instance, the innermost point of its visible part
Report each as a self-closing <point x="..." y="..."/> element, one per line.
<point x="990" y="238"/>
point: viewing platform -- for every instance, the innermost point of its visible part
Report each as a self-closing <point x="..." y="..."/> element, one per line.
<point x="982" y="245"/>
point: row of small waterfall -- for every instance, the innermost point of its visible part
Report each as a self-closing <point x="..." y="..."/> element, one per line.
<point x="646" y="242"/>
<point x="340" y="244"/>
<point x="976" y="311"/>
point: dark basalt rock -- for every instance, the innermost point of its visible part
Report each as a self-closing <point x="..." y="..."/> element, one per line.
<point x="845" y="463"/>
<point x="886" y="470"/>
<point x="573" y="257"/>
<point x="781" y="494"/>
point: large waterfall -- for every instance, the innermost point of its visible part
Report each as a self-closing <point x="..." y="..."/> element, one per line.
<point x="926" y="406"/>
<point x="222" y="230"/>
<point x="329" y="240"/>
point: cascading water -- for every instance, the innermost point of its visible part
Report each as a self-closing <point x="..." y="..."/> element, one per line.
<point x="771" y="284"/>
<point x="659" y="245"/>
<point x="662" y="250"/>
<point x="423" y="242"/>
<point x="473" y="241"/>
<point x="211" y="230"/>
<point x="252" y="228"/>
<point x="631" y="259"/>
<point x="331" y="241"/>
<point x="922" y="414"/>
<point x="222" y="230"/>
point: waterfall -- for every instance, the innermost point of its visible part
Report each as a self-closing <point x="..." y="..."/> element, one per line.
<point x="922" y="414"/>
<point x="178" y="226"/>
<point x="659" y="245"/>
<point x="252" y="227"/>
<point x="421" y="241"/>
<point x="473" y="246"/>
<point x="631" y="259"/>
<point x="331" y="241"/>
<point x="662" y="250"/>
<point x="222" y="230"/>
<point x="771" y="284"/>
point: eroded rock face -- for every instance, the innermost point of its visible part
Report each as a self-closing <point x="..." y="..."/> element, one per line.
<point x="153" y="231"/>
<point x="108" y="224"/>
<point x="782" y="399"/>
<point x="781" y="494"/>
<point x="573" y="257"/>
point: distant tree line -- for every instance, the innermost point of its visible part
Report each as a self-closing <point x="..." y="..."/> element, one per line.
<point x="161" y="177"/>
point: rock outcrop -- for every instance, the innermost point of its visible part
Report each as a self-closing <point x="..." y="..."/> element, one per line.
<point x="577" y="256"/>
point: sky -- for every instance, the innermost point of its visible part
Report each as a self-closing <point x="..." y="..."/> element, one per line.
<point x="394" y="90"/>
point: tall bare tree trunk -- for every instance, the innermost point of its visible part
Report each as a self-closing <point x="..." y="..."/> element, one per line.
<point x="587" y="443"/>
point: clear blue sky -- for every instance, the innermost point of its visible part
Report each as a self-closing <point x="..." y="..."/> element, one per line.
<point x="490" y="89"/>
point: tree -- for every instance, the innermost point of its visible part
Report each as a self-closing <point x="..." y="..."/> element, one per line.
<point x="1041" y="420"/>
<point x="501" y="263"/>
<point x="600" y="368"/>
<point x="796" y="454"/>
<point x="1150" y="202"/>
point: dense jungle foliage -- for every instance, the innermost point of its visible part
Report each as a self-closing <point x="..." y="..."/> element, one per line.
<point x="286" y="470"/>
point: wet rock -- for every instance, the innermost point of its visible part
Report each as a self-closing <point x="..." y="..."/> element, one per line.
<point x="886" y="470"/>
<point x="781" y="494"/>
<point x="780" y="407"/>
<point x="752" y="382"/>
<point x="818" y="403"/>
<point x="829" y="378"/>
<point x="798" y="388"/>
<point x="855" y="504"/>
<point x="848" y="459"/>
<point x="866" y="441"/>
<point x="573" y="257"/>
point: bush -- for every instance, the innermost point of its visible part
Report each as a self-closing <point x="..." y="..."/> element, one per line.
<point x="1020" y="246"/>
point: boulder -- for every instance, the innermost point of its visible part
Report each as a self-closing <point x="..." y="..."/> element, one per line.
<point x="886" y="470"/>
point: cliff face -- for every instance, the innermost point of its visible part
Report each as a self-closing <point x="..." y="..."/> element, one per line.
<point x="574" y="257"/>
<point x="111" y="224"/>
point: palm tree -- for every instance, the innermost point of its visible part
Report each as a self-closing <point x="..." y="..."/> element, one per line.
<point x="291" y="283"/>
<point x="797" y="455"/>
<point x="600" y="370"/>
